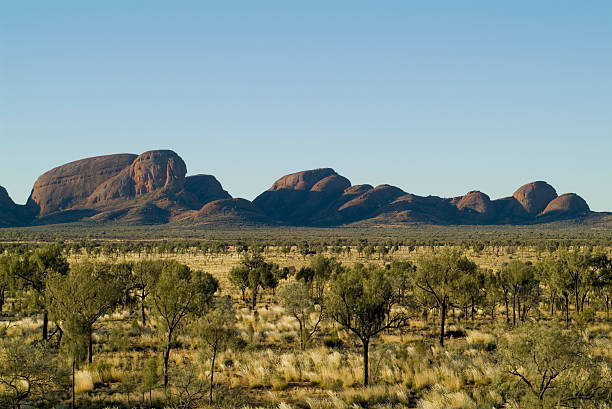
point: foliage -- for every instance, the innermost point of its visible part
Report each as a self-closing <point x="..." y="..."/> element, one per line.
<point x="28" y="372"/>
<point x="442" y="279"/>
<point x="548" y="367"/>
<point x="179" y="294"/>
<point x="362" y="299"/>
<point x="296" y="300"/>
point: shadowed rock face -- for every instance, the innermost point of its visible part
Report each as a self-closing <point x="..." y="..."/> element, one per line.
<point x="9" y="214"/>
<point x="301" y="197"/>
<point x="71" y="184"/>
<point x="5" y="200"/>
<point x="566" y="205"/>
<point x="201" y="189"/>
<point x="307" y="179"/>
<point x="149" y="172"/>
<point x="369" y="202"/>
<point x="535" y="196"/>
<point x="225" y="206"/>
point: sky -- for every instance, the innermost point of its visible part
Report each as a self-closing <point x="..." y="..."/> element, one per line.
<point x="435" y="97"/>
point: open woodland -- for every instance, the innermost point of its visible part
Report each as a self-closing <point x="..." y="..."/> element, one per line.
<point x="422" y="317"/>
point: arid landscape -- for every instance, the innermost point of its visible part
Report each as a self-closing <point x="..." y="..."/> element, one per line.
<point x="284" y="324"/>
<point x="305" y="204"/>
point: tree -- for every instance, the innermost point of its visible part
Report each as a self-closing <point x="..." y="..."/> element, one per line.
<point x="296" y="300"/>
<point x="520" y="278"/>
<point x="145" y="274"/>
<point x="180" y="293"/>
<point x="259" y="275"/>
<point x="86" y="293"/>
<point x="217" y="330"/>
<point x="323" y="268"/>
<point x="239" y="277"/>
<point x="440" y="277"/>
<point x="150" y="377"/>
<point x="553" y="368"/>
<point x="28" y="372"/>
<point x="35" y="269"/>
<point x="5" y="278"/>
<point x="577" y="266"/>
<point x="364" y="301"/>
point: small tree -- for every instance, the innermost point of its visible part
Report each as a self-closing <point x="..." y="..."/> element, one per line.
<point x="552" y="368"/>
<point x="178" y="295"/>
<point x="324" y="268"/>
<point x="239" y="277"/>
<point x="5" y="278"/>
<point x="296" y="299"/>
<point x="217" y="330"/>
<point x="33" y="271"/>
<point x="441" y="278"/>
<point x="259" y="275"/>
<point x="28" y="372"/>
<point x="520" y="278"/>
<point x="87" y="293"/>
<point x="150" y="377"/>
<point x="364" y="301"/>
<point x="145" y="274"/>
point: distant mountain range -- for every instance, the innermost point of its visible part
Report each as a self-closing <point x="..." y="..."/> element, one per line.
<point x="152" y="188"/>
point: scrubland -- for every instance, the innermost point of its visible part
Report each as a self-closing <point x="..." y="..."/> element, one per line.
<point x="489" y="359"/>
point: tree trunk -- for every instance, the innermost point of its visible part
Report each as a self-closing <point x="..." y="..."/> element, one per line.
<point x="514" y="309"/>
<point x="442" y="322"/>
<point x="567" y="310"/>
<point x="212" y="375"/>
<point x="552" y="306"/>
<point x="366" y="371"/>
<point x="607" y="307"/>
<point x="2" y="291"/>
<point x="90" y="348"/>
<point x="45" y="325"/>
<point x="576" y="294"/>
<point x="472" y="309"/>
<point x="142" y="309"/>
<point x="167" y="358"/>
<point x="73" y="373"/>
<point x="507" y="309"/>
<point x="302" y="336"/>
<point x="584" y="296"/>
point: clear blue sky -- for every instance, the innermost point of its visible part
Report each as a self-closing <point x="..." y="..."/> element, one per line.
<point x="436" y="97"/>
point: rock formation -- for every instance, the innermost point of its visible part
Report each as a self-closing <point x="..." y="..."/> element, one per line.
<point x="569" y="204"/>
<point x="535" y="196"/>
<point x="154" y="188"/>
<point x="70" y="185"/>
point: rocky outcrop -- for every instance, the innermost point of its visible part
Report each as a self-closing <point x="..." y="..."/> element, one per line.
<point x="70" y="185"/>
<point x="569" y="204"/>
<point x="9" y="211"/>
<point x="535" y="196"/>
<point x="153" y="188"/>
<point x="476" y="205"/>
<point x="225" y="206"/>
<point x="152" y="171"/>
<point x="370" y="203"/>
<point x="199" y="190"/>
<point x="301" y="198"/>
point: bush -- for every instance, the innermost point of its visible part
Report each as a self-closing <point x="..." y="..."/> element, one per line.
<point x="332" y="342"/>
